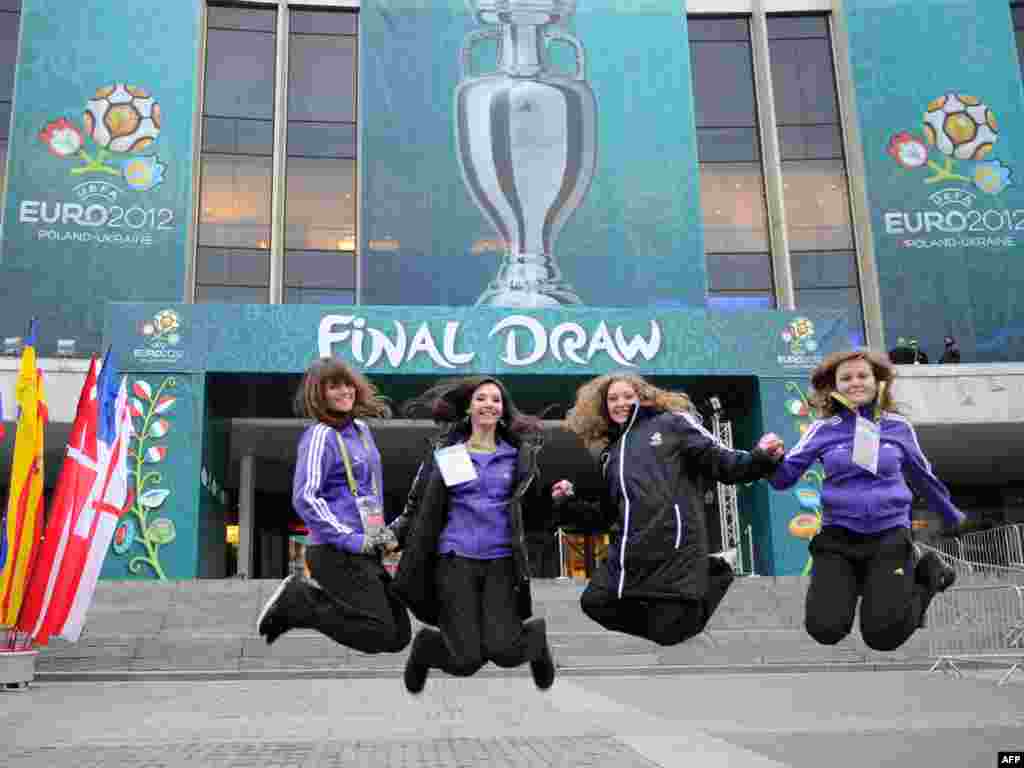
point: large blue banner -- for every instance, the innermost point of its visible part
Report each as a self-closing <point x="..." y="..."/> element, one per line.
<point x="942" y="118"/>
<point x="99" y="193"/>
<point x="528" y="153"/>
<point x="266" y="338"/>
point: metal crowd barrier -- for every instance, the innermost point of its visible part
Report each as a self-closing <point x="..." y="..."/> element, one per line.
<point x="998" y="546"/>
<point x="979" y="620"/>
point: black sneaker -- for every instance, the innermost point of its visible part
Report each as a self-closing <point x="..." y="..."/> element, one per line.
<point x="720" y="569"/>
<point x="415" y="675"/>
<point x="728" y="556"/>
<point x="271" y="622"/>
<point x="543" y="669"/>
<point x="934" y="573"/>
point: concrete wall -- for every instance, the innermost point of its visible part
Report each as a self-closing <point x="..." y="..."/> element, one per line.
<point x="63" y="380"/>
<point x="975" y="393"/>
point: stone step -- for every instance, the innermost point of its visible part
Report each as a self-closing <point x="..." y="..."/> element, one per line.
<point x="230" y="606"/>
<point x="209" y="625"/>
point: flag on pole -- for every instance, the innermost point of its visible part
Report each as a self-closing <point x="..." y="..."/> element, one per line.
<point x="113" y="434"/>
<point x="3" y="417"/>
<point x="74" y="484"/>
<point x="23" y="524"/>
<point x="93" y="461"/>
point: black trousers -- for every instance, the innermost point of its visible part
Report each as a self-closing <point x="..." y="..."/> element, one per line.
<point x="479" y="620"/>
<point x="665" y="621"/>
<point x="355" y="606"/>
<point x="878" y="568"/>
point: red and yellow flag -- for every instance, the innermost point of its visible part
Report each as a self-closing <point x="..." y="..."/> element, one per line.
<point x="23" y="524"/>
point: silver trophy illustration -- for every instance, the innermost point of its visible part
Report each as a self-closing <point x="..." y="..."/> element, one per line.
<point x="527" y="144"/>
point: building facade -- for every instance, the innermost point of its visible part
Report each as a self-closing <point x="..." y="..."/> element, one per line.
<point x="715" y="194"/>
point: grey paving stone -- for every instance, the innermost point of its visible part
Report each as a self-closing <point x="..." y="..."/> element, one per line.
<point x="589" y="751"/>
<point x="620" y="660"/>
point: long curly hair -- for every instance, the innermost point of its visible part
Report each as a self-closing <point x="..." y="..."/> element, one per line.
<point x="448" y="403"/>
<point x="589" y="417"/>
<point x="311" y="397"/>
<point x="823" y="380"/>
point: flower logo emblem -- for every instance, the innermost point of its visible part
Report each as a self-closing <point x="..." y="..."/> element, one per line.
<point x="163" y="327"/>
<point x="960" y="128"/>
<point x="799" y="335"/>
<point x="119" y="119"/>
<point x="143" y="173"/>
<point x="61" y="137"/>
<point x="907" y="150"/>
<point x="992" y="177"/>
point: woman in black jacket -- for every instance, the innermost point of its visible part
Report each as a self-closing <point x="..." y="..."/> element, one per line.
<point x="464" y="562"/>
<point x="658" y="581"/>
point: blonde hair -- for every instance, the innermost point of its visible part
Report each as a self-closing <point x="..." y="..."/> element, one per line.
<point x="823" y="380"/>
<point x="589" y="416"/>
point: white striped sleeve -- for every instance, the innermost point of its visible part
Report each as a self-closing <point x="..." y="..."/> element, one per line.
<point x="799" y="457"/>
<point x="307" y="495"/>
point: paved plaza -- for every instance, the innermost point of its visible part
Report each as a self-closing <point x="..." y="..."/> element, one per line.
<point x="847" y="719"/>
<point x="172" y="675"/>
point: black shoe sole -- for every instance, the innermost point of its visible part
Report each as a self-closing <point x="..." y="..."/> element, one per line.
<point x="264" y="621"/>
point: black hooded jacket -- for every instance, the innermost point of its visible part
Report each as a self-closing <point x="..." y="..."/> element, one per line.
<point x="655" y="469"/>
<point x="419" y="527"/>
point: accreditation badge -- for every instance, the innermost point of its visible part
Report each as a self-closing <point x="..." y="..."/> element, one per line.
<point x="455" y="465"/>
<point x="867" y="438"/>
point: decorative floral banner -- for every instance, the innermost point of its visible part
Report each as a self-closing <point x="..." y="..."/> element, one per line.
<point x="143" y="526"/>
<point x="156" y="536"/>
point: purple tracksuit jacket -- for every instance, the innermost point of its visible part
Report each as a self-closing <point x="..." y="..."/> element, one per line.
<point x="320" y="492"/>
<point x="852" y="497"/>
<point x="479" y="526"/>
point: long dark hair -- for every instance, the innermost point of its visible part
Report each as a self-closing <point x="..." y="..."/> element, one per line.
<point x="448" y="401"/>
<point x="311" y="398"/>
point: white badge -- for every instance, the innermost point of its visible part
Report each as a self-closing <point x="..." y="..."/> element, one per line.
<point x="455" y="465"/>
<point x="866" y="440"/>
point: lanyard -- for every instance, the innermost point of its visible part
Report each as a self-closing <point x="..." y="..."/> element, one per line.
<point x="348" y="462"/>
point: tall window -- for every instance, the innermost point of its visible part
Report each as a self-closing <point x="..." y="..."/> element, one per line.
<point x="736" y="237"/>
<point x="305" y="242"/>
<point x="815" y="186"/>
<point x="320" y="231"/>
<point x="233" y="258"/>
<point x="9" y="18"/>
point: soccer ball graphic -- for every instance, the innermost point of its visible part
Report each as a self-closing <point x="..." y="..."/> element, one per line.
<point x="122" y="118"/>
<point x="961" y="126"/>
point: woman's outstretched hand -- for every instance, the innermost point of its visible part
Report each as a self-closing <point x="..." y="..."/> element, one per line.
<point x="772" y="445"/>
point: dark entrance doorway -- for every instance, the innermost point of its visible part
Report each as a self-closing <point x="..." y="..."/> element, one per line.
<point x="264" y="433"/>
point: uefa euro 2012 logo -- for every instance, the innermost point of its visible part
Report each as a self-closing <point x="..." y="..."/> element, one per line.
<point x="963" y="130"/>
<point x="799" y="336"/>
<point x="123" y="123"/>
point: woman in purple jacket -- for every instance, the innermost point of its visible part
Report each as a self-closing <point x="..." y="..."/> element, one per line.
<point x="464" y="563"/>
<point x="337" y="491"/>
<point x="864" y="547"/>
